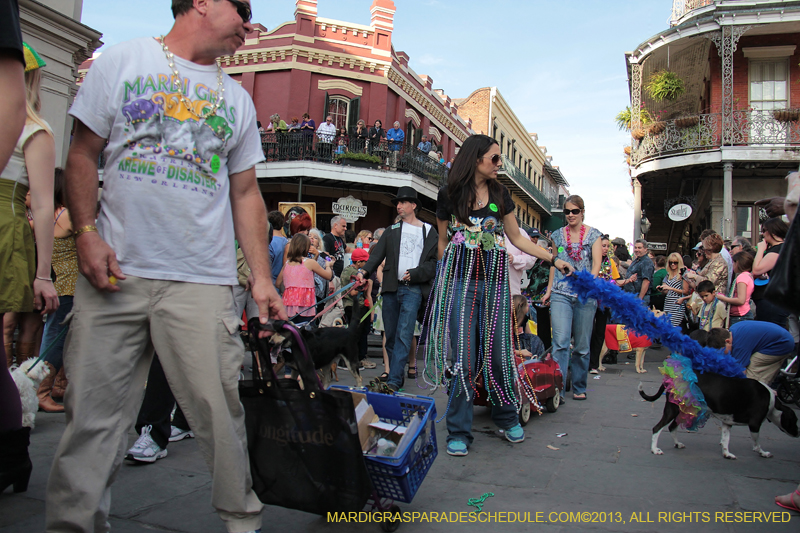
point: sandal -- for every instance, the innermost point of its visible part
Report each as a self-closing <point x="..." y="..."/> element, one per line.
<point x="412" y="373"/>
<point x="369" y="365"/>
<point x="581" y="396"/>
<point x="791" y="507"/>
<point x="383" y="377"/>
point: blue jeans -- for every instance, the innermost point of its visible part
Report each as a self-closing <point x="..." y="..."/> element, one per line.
<point x="399" y="315"/>
<point x="52" y="328"/>
<point x="572" y="319"/>
<point x="471" y="304"/>
<point x="747" y="316"/>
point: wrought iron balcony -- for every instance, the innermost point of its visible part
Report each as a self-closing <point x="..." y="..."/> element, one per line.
<point x="294" y="146"/>
<point x="291" y="146"/>
<point x="519" y="177"/>
<point x="756" y="128"/>
<point x="681" y="7"/>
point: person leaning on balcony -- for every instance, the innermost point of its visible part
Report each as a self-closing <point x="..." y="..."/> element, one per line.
<point x="277" y="123"/>
<point x="424" y="145"/>
<point x="360" y="134"/>
<point x="326" y="134"/>
<point x="395" y="136"/>
<point x="376" y="133"/>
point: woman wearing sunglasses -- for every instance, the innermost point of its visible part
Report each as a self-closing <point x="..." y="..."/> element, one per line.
<point x="675" y="287"/>
<point x="580" y="246"/>
<point x="469" y="313"/>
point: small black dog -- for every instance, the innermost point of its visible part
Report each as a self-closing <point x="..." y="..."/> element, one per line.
<point x="325" y="345"/>
<point x="733" y="401"/>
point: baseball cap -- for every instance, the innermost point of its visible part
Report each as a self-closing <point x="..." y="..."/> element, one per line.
<point x="359" y="254"/>
<point x="533" y="232"/>
<point x="699" y="246"/>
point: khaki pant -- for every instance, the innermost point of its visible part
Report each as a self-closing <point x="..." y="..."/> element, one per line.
<point x="764" y="367"/>
<point x="193" y="327"/>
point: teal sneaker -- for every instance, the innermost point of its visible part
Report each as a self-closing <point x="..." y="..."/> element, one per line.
<point x="457" y="448"/>
<point x="515" y="434"/>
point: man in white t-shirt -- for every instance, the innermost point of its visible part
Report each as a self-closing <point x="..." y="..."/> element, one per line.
<point x="409" y="248"/>
<point x="158" y="270"/>
<point x="326" y="134"/>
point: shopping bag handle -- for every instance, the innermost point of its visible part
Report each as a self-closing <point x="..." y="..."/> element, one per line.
<point x="262" y="346"/>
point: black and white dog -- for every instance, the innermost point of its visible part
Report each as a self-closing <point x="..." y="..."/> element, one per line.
<point x="734" y="402"/>
<point x="325" y="346"/>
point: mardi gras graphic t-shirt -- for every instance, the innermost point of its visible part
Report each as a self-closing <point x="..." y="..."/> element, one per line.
<point x="165" y="208"/>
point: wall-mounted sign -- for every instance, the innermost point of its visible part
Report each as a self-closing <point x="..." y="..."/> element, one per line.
<point x="679" y="212"/>
<point x="657" y="246"/>
<point x="349" y="208"/>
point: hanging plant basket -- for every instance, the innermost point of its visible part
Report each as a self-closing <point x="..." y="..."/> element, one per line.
<point x="627" y="150"/>
<point x="656" y="127"/>
<point x="664" y="85"/>
<point x="786" y="115"/>
<point x="687" y="122"/>
<point x="638" y="133"/>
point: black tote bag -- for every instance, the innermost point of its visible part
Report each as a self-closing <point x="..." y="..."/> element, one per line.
<point x="304" y="449"/>
<point x="783" y="288"/>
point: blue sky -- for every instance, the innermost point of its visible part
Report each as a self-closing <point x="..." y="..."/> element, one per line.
<point x="559" y="64"/>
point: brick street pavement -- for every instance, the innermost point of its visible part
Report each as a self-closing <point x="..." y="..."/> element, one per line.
<point x="602" y="465"/>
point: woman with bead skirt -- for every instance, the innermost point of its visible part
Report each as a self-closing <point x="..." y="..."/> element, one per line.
<point x="580" y="246"/>
<point x="469" y="324"/>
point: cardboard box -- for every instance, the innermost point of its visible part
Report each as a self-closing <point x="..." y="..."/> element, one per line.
<point x="365" y="415"/>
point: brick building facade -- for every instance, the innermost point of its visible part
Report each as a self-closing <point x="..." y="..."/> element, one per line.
<point x="732" y="136"/>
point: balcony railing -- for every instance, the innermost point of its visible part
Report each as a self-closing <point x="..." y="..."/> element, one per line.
<point x="681" y="7"/>
<point x="773" y="128"/>
<point x="522" y="180"/>
<point x="291" y="146"/>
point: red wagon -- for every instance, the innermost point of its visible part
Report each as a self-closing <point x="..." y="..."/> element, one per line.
<point x="539" y="376"/>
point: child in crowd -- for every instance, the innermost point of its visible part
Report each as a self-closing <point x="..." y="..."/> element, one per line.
<point x="341" y="148"/>
<point x="298" y="278"/>
<point x="711" y="312"/>
<point x="526" y="344"/>
<point x="359" y="257"/>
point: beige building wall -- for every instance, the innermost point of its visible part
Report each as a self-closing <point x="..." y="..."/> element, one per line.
<point x="53" y="29"/>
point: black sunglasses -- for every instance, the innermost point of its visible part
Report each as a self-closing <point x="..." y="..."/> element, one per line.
<point x="495" y="159"/>
<point x="243" y="9"/>
<point x="673" y="262"/>
<point x="572" y="211"/>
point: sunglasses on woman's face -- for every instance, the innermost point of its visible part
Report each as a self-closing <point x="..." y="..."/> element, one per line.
<point x="495" y="159"/>
<point x="572" y="211"/>
<point x="673" y="262"/>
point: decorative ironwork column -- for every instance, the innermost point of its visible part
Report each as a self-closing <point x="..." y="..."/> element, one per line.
<point x="636" y="96"/>
<point x="726" y="42"/>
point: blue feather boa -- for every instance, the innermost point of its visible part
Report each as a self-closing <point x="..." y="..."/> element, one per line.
<point x="630" y="311"/>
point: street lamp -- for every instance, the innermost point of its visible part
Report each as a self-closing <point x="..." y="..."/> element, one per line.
<point x="644" y="224"/>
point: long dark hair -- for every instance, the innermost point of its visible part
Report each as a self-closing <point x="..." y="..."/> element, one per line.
<point x="461" y="181"/>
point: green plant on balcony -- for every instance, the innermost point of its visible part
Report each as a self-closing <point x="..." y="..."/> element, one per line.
<point x="357" y="156"/>
<point x="696" y="137"/>
<point x="624" y="118"/>
<point x="664" y="85"/>
<point x="687" y="121"/>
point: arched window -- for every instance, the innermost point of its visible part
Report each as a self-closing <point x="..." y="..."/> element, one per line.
<point x="339" y="108"/>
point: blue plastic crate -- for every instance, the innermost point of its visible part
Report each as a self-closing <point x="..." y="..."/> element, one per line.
<point x="399" y="477"/>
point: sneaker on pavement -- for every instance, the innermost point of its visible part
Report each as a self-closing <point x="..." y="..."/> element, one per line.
<point x="145" y="449"/>
<point x="515" y="434"/>
<point x="457" y="448"/>
<point x="177" y="434"/>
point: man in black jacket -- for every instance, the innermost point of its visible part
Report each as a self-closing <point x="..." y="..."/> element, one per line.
<point x="409" y="248"/>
